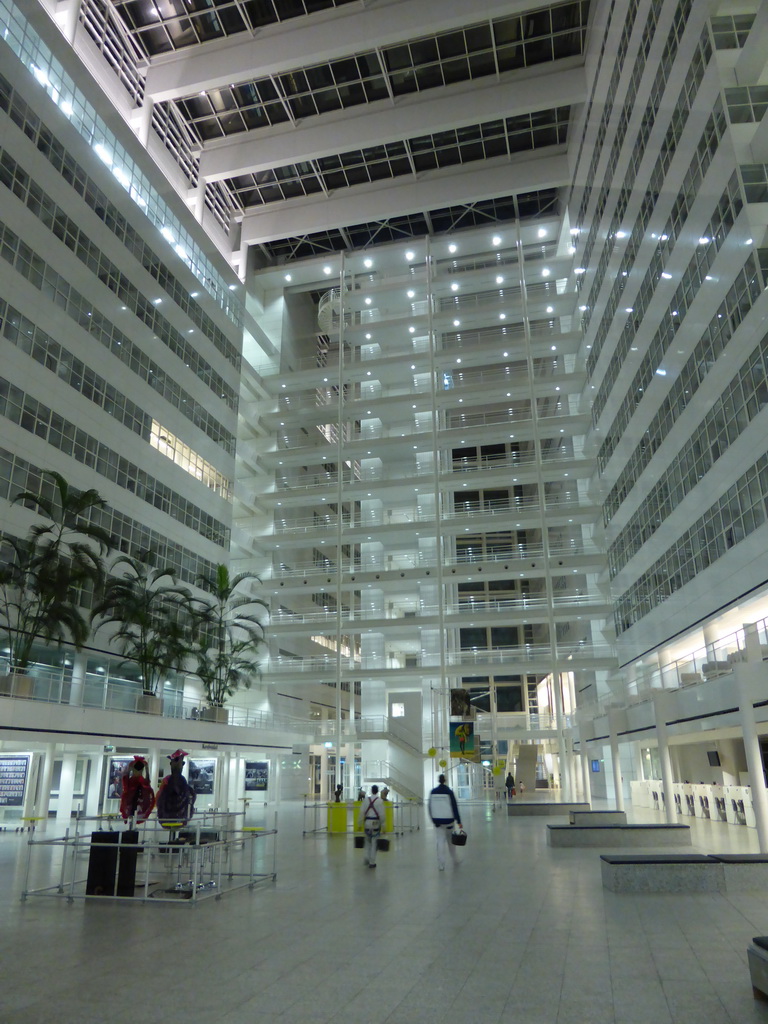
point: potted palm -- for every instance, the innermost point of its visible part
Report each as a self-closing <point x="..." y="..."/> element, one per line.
<point x="149" y="612"/>
<point x="228" y="637"/>
<point x="44" y="574"/>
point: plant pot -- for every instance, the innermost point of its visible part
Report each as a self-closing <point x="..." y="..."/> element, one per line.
<point x="149" y="704"/>
<point x="16" y="684"/>
<point x="220" y="715"/>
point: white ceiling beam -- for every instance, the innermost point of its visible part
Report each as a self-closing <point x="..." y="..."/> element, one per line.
<point x="315" y="39"/>
<point x="418" y="114"/>
<point x="391" y="198"/>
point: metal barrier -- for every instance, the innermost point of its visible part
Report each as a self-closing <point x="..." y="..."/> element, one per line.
<point x="184" y="864"/>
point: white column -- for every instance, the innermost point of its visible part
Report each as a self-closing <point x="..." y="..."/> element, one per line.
<point x="751" y="678"/>
<point x="618" y="789"/>
<point x="223" y="801"/>
<point x="66" y="788"/>
<point x="662" y="737"/>
<point x="145" y="122"/>
<point x="33" y="771"/>
<point x="585" y="773"/>
<point x="78" y="680"/>
<point x="95" y="784"/>
<point x="200" y="200"/>
<point x="44" y="784"/>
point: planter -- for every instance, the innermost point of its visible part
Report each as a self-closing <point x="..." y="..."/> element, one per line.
<point x="16" y="685"/>
<point x="220" y="715"/>
<point x="148" y="704"/>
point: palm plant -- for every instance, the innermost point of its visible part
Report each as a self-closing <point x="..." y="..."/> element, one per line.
<point x="151" y="613"/>
<point x="45" y="572"/>
<point x="228" y="634"/>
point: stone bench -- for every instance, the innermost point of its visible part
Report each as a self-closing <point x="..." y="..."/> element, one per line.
<point x="757" y="956"/>
<point x="743" y="870"/>
<point x="681" y="872"/>
<point x="518" y="808"/>
<point x="598" y="817"/>
<point x="618" y="835"/>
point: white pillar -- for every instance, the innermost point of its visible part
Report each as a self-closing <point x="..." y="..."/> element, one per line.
<point x="586" y="766"/>
<point x="662" y="737"/>
<point x="751" y="677"/>
<point x="44" y="784"/>
<point x="34" y="766"/>
<point x="66" y="788"/>
<point x="223" y="801"/>
<point x="618" y="789"/>
<point x="145" y="122"/>
<point x="200" y="200"/>
<point x="95" y="784"/>
<point x="78" y="681"/>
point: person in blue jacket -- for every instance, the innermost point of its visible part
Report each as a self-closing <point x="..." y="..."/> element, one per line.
<point x="444" y="812"/>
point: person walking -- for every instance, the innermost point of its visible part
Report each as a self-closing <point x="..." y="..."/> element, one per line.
<point x="509" y="783"/>
<point x="444" y="812"/>
<point x="372" y="822"/>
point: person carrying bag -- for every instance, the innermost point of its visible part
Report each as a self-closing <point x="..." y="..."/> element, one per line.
<point x="444" y="812"/>
<point x="372" y="820"/>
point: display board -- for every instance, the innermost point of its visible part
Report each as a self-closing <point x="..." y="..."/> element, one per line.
<point x="256" y="775"/>
<point x="463" y="741"/>
<point x="13" y="780"/>
<point x="117" y="766"/>
<point x="202" y="774"/>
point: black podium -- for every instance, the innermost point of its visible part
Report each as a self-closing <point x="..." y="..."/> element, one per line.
<point x="103" y="866"/>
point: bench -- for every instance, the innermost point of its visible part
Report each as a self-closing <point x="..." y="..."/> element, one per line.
<point x="598" y="817"/>
<point x="757" y="956"/>
<point x="743" y="870"/>
<point x="618" y="835"/>
<point x="693" y="872"/>
<point x="520" y="809"/>
<point x="680" y="872"/>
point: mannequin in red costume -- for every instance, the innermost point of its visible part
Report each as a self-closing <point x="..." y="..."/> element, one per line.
<point x="138" y="797"/>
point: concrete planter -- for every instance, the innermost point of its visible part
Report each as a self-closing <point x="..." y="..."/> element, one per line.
<point x="220" y="715"/>
<point x="16" y="685"/>
<point x="148" y="704"/>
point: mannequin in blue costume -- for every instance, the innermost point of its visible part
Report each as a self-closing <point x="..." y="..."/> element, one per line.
<point x="175" y="800"/>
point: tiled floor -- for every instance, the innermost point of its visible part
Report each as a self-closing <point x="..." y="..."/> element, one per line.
<point x="517" y="934"/>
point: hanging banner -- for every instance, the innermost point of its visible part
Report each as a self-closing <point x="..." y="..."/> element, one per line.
<point x="256" y="775"/>
<point x="202" y="774"/>
<point x="463" y="743"/>
<point x="13" y="780"/>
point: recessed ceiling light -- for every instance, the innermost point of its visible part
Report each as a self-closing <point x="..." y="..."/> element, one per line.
<point x="410" y="255"/>
<point x="496" y="240"/>
<point x="288" y="277"/>
<point x="326" y="270"/>
<point x="368" y="263"/>
<point x="452" y="247"/>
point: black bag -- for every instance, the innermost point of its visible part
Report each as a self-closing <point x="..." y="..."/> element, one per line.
<point x="359" y="842"/>
<point x="459" y="838"/>
<point x="383" y="845"/>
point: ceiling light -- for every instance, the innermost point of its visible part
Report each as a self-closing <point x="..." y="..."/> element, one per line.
<point x="496" y="240"/>
<point x="542" y="232"/>
<point x="457" y="323"/>
<point x="368" y="264"/>
<point x="454" y="287"/>
<point x="550" y="309"/>
<point x="288" y="277"/>
<point x="368" y="301"/>
<point x="326" y="270"/>
<point x="499" y="279"/>
<point x="411" y="294"/>
<point x="452" y="247"/>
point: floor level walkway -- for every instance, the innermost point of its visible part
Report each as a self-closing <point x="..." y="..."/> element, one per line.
<point x="518" y="933"/>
